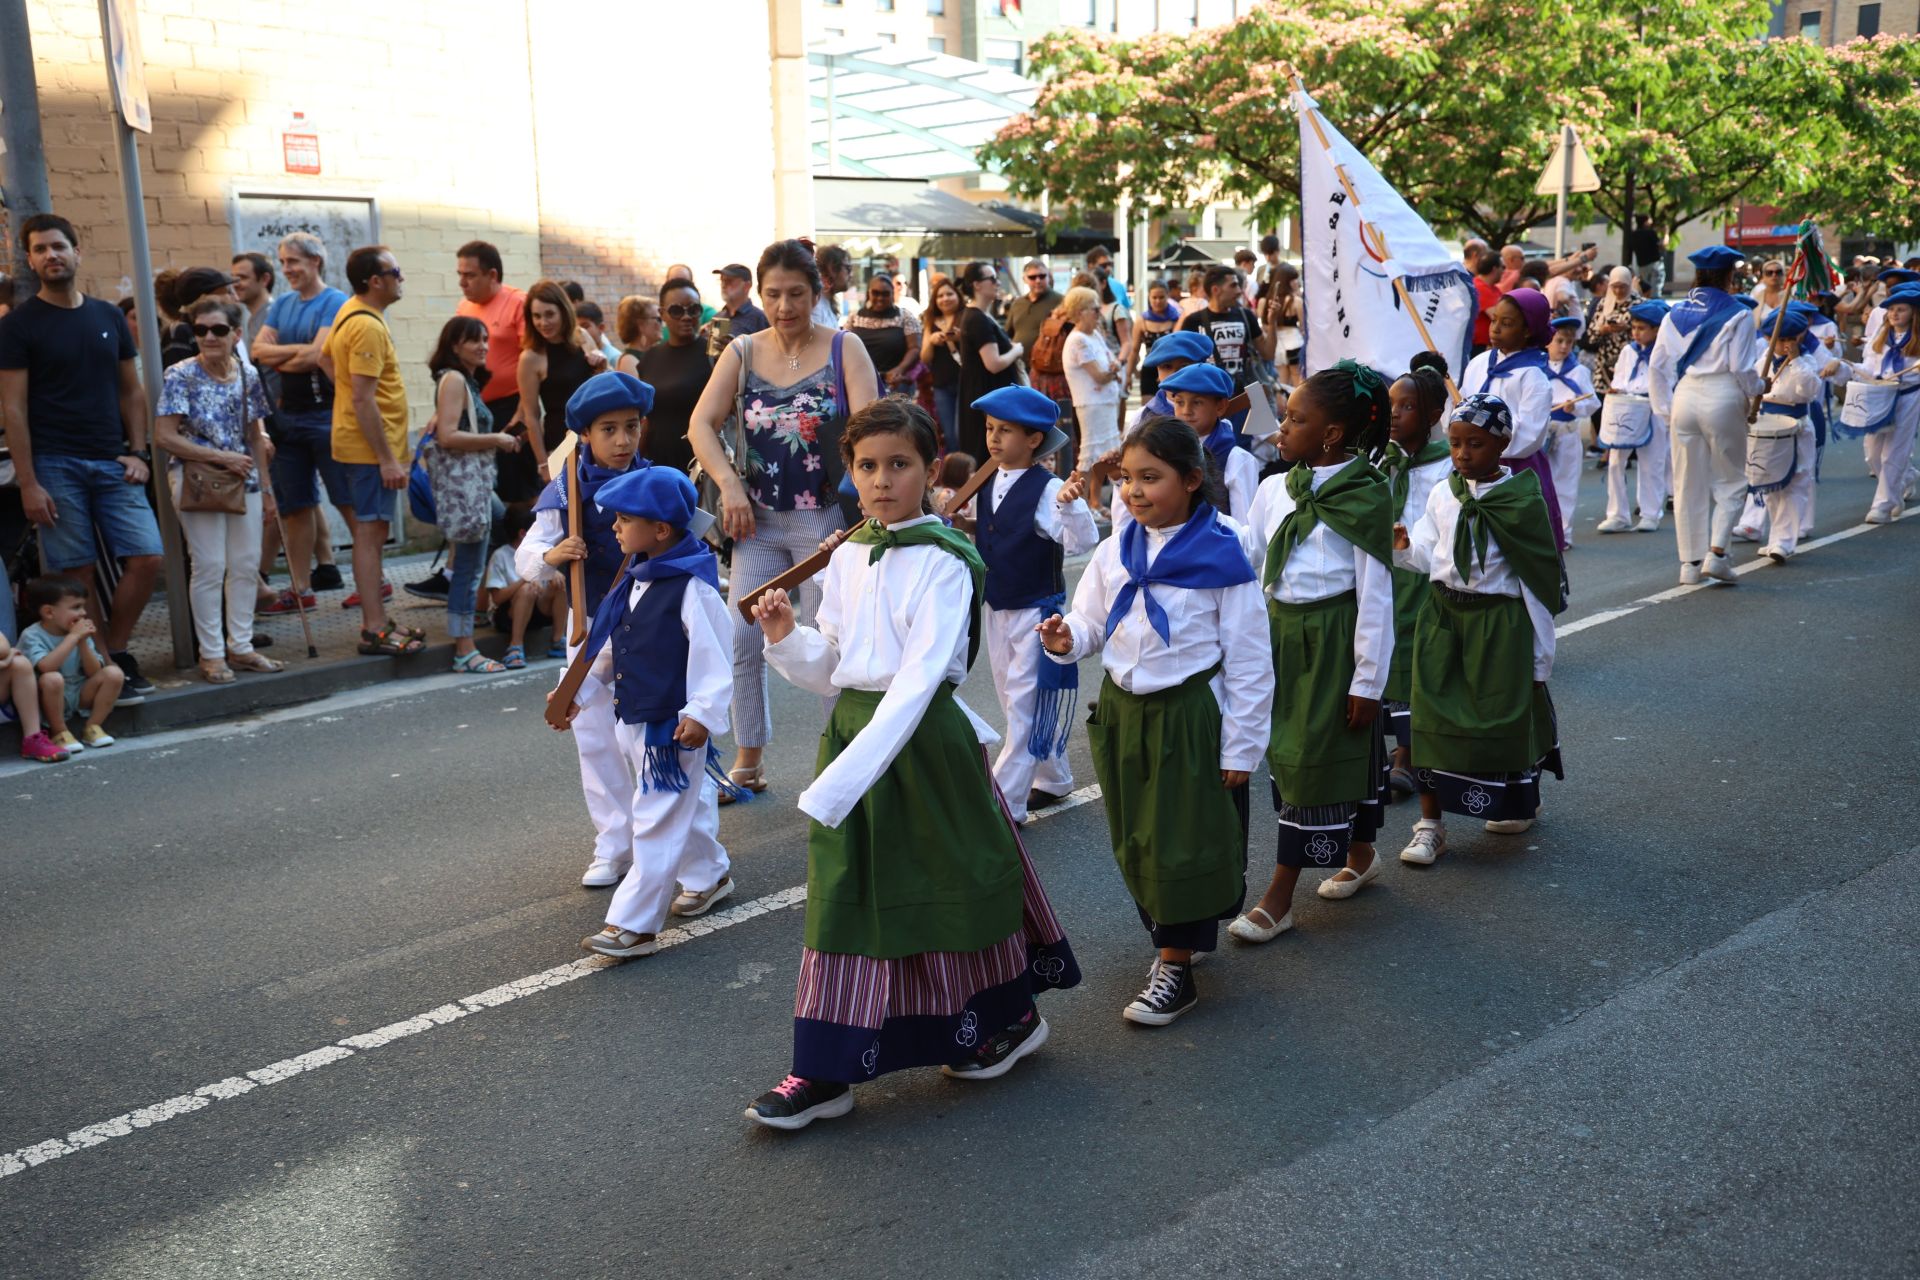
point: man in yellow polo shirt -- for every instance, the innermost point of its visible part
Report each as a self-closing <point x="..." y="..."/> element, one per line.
<point x="370" y="432"/>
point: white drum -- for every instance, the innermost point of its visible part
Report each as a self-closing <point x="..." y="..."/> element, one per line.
<point x="1626" y="421"/>
<point x="1869" y="406"/>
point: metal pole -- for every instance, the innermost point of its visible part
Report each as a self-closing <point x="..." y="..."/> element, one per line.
<point x="1566" y="185"/>
<point x="833" y="138"/>
<point x="23" y="159"/>
<point x="174" y="552"/>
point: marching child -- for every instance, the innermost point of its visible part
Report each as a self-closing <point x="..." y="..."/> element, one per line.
<point x="1200" y="393"/>
<point x="609" y="413"/>
<point x="1573" y="403"/>
<point x="1413" y="462"/>
<point x="1629" y="428"/>
<point x="1514" y="367"/>
<point x="1026" y="522"/>
<point x="1168" y="356"/>
<point x="1780" y="440"/>
<point x="1171" y="606"/>
<point x="1892" y="410"/>
<point x="662" y="653"/>
<point x="1483" y="726"/>
<point x="927" y="932"/>
<point x="1324" y="533"/>
<point x="72" y="673"/>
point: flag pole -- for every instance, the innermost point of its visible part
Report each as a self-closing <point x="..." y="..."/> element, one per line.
<point x="1368" y="229"/>
<point x="1794" y="274"/>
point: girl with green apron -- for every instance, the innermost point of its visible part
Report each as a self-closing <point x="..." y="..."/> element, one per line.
<point x="1171" y="606"/>
<point x="1413" y="462"/>
<point x="1483" y="725"/>
<point x="927" y="932"/>
<point x="1324" y="535"/>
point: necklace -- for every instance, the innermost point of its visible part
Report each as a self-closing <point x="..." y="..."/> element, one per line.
<point x="793" y="357"/>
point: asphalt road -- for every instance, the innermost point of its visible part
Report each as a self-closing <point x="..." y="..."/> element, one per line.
<point x="1670" y="1032"/>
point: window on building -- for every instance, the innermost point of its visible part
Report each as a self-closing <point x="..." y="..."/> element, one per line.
<point x="1004" y="54"/>
<point x="884" y="37"/>
<point x="937" y="8"/>
<point x="834" y="33"/>
<point x="1179" y="15"/>
<point x="833" y="4"/>
<point x="884" y="6"/>
<point x="1810" y="26"/>
<point x="936" y="44"/>
<point x="1869" y="19"/>
<point x="1083" y="12"/>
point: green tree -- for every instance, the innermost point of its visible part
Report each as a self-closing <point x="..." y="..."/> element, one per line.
<point x="1869" y="183"/>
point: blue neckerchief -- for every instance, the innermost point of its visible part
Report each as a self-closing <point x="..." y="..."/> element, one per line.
<point x="592" y="476"/>
<point x="1640" y="355"/>
<point x="1221" y="442"/>
<point x="1701" y="314"/>
<point x="1498" y="366"/>
<point x="1158" y="407"/>
<point x="1892" y="361"/>
<point x="690" y="556"/>
<point x="1204" y="554"/>
<point x="1563" y="374"/>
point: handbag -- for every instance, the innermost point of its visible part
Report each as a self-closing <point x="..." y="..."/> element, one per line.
<point x="460" y="482"/>
<point x="210" y="487"/>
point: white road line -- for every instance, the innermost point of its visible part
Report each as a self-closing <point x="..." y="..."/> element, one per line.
<point x="120" y="1126"/>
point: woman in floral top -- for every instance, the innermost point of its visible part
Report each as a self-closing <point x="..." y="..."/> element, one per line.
<point x="212" y="409"/>
<point x="782" y="501"/>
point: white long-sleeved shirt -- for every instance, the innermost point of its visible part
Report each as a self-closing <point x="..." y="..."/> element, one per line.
<point x="1796" y="382"/>
<point x="1575" y="384"/>
<point x="1731" y="352"/>
<point x="1070" y="524"/>
<point x="709" y="632"/>
<point x="899" y="626"/>
<point x="1420" y="482"/>
<point x="1431" y="552"/>
<point x="1529" y="399"/>
<point x="1325" y="564"/>
<point x="1625" y="377"/>
<point x="1224" y="626"/>
<point x="530" y="557"/>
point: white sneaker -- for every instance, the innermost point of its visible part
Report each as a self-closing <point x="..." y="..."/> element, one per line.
<point x="1613" y="524"/>
<point x="1745" y="533"/>
<point x="1879" y="515"/>
<point x="1510" y="826"/>
<point x="1428" y="843"/>
<point x="1775" y="554"/>
<point x="603" y="873"/>
<point x="1719" y="568"/>
<point x="1648" y="524"/>
<point x="1334" y="890"/>
<point x="1689" y="575"/>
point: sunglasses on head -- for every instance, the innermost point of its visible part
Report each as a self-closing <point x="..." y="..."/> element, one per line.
<point x="212" y="330"/>
<point x="684" y="310"/>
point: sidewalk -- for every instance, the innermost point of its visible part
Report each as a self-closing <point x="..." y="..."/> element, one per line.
<point x="183" y="698"/>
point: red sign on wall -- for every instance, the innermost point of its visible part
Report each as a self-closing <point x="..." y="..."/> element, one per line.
<point x="302" y="152"/>
<point x="1760" y="224"/>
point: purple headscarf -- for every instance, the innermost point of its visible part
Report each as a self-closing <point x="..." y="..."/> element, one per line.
<point x="1538" y="313"/>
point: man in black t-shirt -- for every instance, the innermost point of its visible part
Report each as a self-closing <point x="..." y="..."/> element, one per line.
<point x="77" y="420"/>
<point x="1238" y="340"/>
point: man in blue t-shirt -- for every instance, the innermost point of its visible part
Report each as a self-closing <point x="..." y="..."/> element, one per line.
<point x="289" y="342"/>
<point x="77" y="423"/>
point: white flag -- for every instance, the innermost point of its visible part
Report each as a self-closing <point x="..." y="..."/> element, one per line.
<point x="1351" y="256"/>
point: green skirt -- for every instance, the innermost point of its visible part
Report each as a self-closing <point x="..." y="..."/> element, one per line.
<point x="1176" y="832"/>
<point x="1315" y="758"/>
<point x="1410" y="591"/>
<point x="926" y="861"/>
<point x="1476" y="709"/>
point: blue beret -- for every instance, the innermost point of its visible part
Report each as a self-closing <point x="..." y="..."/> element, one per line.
<point x="1566" y="322"/>
<point x="1898" y="275"/>
<point x="1747" y="300"/>
<point x="1792" y="324"/>
<point x="1652" y="311"/>
<point x="1715" y="257"/>
<point x="607" y="393"/>
<point x="1907" y="293"/>
<point x="650" y="493"/>
<point x="1181" y="344"/>
<point x="1022" y="406"/>
<point x="1199" y="379"/>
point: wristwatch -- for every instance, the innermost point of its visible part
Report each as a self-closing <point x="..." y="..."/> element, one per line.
<point x="145" y="455"/>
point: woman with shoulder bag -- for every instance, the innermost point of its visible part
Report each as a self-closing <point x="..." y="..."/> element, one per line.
<point x="211" y="422"/>
<point x="462" y="461"/>
<point x="794" y="385"/>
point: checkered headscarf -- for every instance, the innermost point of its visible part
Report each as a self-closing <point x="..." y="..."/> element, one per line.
<point x="1487" y="412"/>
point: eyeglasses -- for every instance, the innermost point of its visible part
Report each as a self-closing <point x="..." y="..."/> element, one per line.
<point x="212" y="330"/>
<point x="1773" y="271"/>
<point x="1037" y="278"/>
<point x="391" y="271"/>
<point x="684" y="310"/>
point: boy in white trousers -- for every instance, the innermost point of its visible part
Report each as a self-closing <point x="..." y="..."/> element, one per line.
<point x="661" y="650"/>
<point x="1780" y="440"/>
<point x="1573" y="401"/>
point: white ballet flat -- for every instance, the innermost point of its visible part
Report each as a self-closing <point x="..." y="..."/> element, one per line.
<point x="1336" y="889"/>
<point x="1246" y="930"/>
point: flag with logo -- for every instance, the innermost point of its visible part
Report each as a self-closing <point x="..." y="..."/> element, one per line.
<point x="1360" y="238"/>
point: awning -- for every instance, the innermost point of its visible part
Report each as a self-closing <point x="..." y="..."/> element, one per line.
<point x="872" y="217"/>
<point x="1061" y="240"/>
<point x="881" y="111"/>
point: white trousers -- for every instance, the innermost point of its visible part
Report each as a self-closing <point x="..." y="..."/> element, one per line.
<point x="1014" y="650"/>
<point x="1564" y="456"/>
<point x="226" y="574"/>
<point x="1709" y="462"/>
<point x="675" y="838"/>
<point x="1896" y="454"/>
<point x="1650" y="478"/>
<point x="1788" y="512"/>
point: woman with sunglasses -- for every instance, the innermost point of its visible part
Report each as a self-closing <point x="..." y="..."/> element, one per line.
<point x="677" y="370"/>
<point x="1771" y="292"/>
<point x="212" y="410"/>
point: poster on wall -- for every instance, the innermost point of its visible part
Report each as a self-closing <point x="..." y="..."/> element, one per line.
<point x="343" y="223"/>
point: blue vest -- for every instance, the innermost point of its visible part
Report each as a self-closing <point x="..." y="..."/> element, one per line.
<point x="1023" y="568"/>
<point x="650" y="656"/>
<point x="596" y="526"/>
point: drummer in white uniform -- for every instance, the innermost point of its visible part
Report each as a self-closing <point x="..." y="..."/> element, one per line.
<point x="1630" y="429"/>
<point x="1780" y="440"/>
<point x="1883" y="399"/>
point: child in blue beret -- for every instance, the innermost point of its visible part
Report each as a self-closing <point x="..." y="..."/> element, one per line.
<point x="1200" y="393"/>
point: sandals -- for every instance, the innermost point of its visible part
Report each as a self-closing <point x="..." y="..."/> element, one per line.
<point x="754" y="780"/>
<point x="254" y="662"/>
<point x="394" y="642"/>
<point x="514" y="658"/>
<point x="476" y="663"/>
<point x="216" y="671"/>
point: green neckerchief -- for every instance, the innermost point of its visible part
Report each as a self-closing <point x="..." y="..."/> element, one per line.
<point x="935" y="533"/>
<point x="1352" y="503"/>
<point x="1397" y="465"/>
<point x="1514" y="515"/>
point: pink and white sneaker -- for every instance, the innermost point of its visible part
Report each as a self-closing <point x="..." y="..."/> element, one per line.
<point x="41" y="749"/>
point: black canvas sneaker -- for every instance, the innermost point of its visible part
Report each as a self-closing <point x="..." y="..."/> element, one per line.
<point x="1170" y="992"/>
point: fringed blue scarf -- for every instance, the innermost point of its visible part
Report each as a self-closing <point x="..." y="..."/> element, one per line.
<point x="1056" y="694"/>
